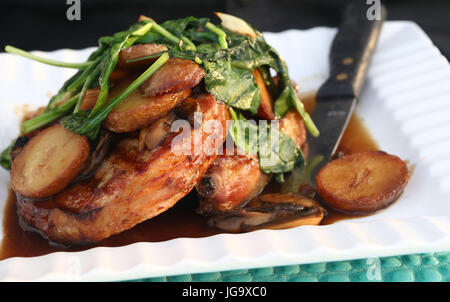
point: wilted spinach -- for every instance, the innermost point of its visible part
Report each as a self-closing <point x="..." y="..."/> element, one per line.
<point x="5" y="157"/>
<point x="277" y="152"/>
<point x="235" y="86"/>
<point x="228" y="59"/>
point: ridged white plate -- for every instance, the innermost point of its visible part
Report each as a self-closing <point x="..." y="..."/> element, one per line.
<point x="405" y="104"/>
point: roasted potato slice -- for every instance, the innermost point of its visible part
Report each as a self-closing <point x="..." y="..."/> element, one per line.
<point x="48" y="162"/>
<point x="119" y="75"/>
<point x="362" y="182"/>
<point x="136" y="111"/>
<point x="265" y="109"/>
<point x="89" y="98"/>
<point x="138" y="51"/>
<point x="174" y="76"/>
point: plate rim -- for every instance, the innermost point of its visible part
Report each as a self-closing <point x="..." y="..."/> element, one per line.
<point x="56" y="266"/>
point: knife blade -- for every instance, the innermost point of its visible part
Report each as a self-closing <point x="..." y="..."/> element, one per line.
<point x="350" y="54"/>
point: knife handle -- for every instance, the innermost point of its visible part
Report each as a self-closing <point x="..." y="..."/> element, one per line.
<point x="351" y="51"/>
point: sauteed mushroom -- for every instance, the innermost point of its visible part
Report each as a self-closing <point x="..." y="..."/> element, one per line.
<point x="271" y="211"/>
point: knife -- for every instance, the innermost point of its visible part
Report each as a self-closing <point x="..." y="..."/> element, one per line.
<point x="350" y="55"/>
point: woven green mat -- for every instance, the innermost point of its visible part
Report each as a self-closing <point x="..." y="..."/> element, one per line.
<point x="430" y="267"/>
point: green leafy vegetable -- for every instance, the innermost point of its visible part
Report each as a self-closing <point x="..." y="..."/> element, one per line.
<point x="220" y="33"/>
<point x="28" y="55"/>
<point x="174" y="32"/>
<point x="110" y="61"/>
<point x="244" y="133"/>
<point x="277" y="152"/>
<point x="235" y="86"/>
<point x="228" y="58"/>
<point x="89" y="125"/>
<point x="87" y="84"/>
<point x="5" y="157"/>
<point x="72" y="85"/>
<point x="49" y="116"/>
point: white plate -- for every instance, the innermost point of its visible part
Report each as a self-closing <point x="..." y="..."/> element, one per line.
<point x="405" y="104"/>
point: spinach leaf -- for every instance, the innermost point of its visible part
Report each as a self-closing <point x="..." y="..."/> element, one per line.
<point x="77" y="120"/>
<point x="5" y="157"/>
<point x="228" y="59"/>
<point x="277" y="152"/>
<point x="228" y="71"/>
<point x="109" y="63"/>
<point x="234" y="86"/>
<point x="243" y="132"/>
<point x="186" y="26"/>
<point x="189" y="27"/>
<point x="84" y="123"/>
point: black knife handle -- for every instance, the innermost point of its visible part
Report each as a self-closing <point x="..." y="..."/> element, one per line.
<point x="351" y="51"/>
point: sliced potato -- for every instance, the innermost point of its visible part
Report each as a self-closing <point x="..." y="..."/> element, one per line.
<point x="48" y="162"/>
<point x="138" y="51"/>
<point x="174" y="76"/>
<point x="136" y="111"/>
<point x="89" y="98"/>
<point x="119" y="75"/>
<point x="265" y="109"/>
<point x="362" y="182"/>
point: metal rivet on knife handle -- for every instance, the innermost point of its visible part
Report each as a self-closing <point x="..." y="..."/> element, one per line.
<point x="342" y="77"/>
<point x="348" y="61"/>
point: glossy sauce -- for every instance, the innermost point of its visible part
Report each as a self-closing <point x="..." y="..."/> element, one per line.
<point x="179" y="221"/>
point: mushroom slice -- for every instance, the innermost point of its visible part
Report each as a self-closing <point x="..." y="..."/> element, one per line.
<point x="153" y="135"/>
<point x="271" y="211"/>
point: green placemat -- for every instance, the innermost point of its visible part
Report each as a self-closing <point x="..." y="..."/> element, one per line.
<point x="430" y="267"/>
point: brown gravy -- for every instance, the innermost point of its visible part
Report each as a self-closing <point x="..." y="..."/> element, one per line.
<point x="179" y="221"/>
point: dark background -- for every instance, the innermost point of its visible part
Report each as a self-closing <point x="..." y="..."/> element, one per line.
<point x="43" y="25"/>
